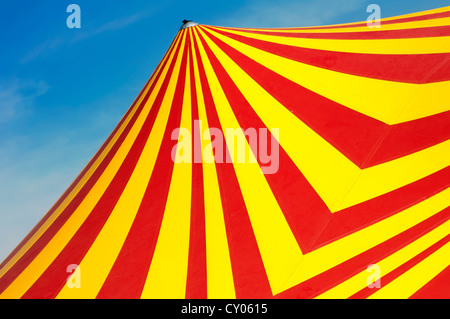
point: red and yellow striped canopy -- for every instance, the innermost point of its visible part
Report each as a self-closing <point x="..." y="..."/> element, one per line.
<point x="361" y="186"/>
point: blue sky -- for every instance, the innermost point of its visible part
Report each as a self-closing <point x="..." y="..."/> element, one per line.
<point x="62" y="91"/>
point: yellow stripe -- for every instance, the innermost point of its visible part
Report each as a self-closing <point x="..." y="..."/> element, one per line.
<point x="330" y="173"/>
<point x="101" y="256"/>
<point x="380" y="99"/>
<point x="85" y="177"/>
<point x="415" y="278"/>
<point x="359" y="281"/>
<point x="430" y="95"/>
<point x="219" y="274"/>
<point x="350" y="246"/>
<point x="168" y="270"/>
<point x="424" y="45"/>
<point x="278" y="247"/>
<point x="24" y="281"/>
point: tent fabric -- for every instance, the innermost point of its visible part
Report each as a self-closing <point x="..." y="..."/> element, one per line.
<point x="357" y="204"/>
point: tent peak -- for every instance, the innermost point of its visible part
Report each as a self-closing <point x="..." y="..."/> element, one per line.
<point x="188" y="24"/>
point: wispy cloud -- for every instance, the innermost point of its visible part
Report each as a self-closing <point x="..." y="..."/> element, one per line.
<point x="85" y="32"/>
<point x="17" y="97"/>
<point x="278" y="14"/>
<point x="41" y="49"/>
<point x="114" y="25"/>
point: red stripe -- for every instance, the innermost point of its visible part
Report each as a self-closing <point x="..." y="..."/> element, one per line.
<point x="338" y="274"/>
<point x="250" y="279"/>
<point x="53" y="279"/>
<point x="437" y="288"/>
<point x="196" y="286"/>
<point x="438" y="74"/>
<point x="409" y="68"/>
<point x="353" y="134"/>
<point x="37" y="247"/>
<point x="129" y="272"/>
<point x="386" y="279"/>
<point x="439" y="31"/>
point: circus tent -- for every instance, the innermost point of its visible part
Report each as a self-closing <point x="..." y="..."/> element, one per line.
<point x="344" y="194"/>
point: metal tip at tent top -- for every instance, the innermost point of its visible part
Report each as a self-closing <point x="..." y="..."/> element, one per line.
<point x="188" y="24"/>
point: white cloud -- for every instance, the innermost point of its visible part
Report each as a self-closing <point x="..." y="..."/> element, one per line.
<point x="279" y="14"/>
<point x="17" y="97"/>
